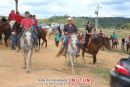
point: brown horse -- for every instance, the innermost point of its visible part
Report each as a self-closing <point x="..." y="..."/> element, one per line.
<point x="94" y="47"/>
<point x="6" y="30"/>
<point x="42" y="35"/>
<point x="128" y="47"/>
<point x="115" y="43"/>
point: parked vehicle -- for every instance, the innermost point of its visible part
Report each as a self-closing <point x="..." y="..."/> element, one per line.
<point x="120" y="75"/>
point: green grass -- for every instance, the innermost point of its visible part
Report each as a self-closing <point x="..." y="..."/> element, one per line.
<point x="101" y="72"/>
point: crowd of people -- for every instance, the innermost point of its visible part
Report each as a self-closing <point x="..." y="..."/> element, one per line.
<point x="19" y="23"/>
<point x="30" y="22"/>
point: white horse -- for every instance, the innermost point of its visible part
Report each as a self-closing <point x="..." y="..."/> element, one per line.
<point x="72" y="51"/>
<point x="50" y="32"/>
<point x="26" y="44"/>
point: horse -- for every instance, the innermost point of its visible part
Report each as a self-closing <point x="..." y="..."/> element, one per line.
<point x="50" y="32"/>
<point x="71" y="51"/>
<point x="42" y="35"/>
<point x="6" y="30"/>
<point x="26" y="45"/>
<point x="128" y="47"/>
<point x="94" y="47"/>
<point x="115" y="43"/>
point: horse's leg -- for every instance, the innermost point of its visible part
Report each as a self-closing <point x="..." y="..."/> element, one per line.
<point x="94" y="58"/>
<point x="39" y="42"/>
<point x="45" y="40"/>
<point x="66" y="60"/>
<point x="42" y="43"/>
<point x="83" y="56"/>
<point x="72" y="64"/>
<point x="28" y="61"/>
<point x="6" y="39"/>
<point x="0" y="38"/>
<point x="24" y="55"/>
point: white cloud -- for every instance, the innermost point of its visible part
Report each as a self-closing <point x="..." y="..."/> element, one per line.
<point x="43" y="8"/>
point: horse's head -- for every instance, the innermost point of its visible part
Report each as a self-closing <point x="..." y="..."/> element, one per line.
<point x="74" y="40"/>
<point x="106" y="42"/>
<point x="27" y="38"/>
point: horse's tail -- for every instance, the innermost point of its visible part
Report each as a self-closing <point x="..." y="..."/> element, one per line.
<point x="60" y="52"/>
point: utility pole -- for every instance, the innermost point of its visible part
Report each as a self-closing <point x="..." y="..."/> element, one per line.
<point x="97" y="14"/>
<point x="16" y="5"/>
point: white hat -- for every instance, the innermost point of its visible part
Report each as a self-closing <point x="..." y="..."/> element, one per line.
<point x="69" y="19"/>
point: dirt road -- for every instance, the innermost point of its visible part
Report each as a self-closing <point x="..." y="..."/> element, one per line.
<point x="46" y="65"/>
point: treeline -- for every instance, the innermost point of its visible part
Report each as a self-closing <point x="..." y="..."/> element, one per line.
<point x="104" y="22"/>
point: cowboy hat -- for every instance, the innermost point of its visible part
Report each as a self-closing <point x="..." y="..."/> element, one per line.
<point x="69" y="19"/>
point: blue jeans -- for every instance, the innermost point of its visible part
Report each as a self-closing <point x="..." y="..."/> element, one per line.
<point x="34" y="37"/>
<point x="13" y="41"/>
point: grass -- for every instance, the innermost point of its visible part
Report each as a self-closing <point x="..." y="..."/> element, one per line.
<point x="101" y="72"/>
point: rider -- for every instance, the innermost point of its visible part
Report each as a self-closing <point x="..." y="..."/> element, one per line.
<point x="95" y="35"/>
<point x="114" y="37"/>
<point x="11" y="15"/>
<point x="3" y="20"/>
<point x="100" y="33"/>
<point x="70" y="28"/>
<point x="26" y="23"/>
<point x="34" y="29"/>
<point x="88" y="35"/>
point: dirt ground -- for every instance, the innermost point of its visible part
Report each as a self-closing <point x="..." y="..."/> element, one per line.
<point x="46" y="65"/>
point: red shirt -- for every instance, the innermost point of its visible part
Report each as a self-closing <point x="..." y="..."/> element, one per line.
<point x="18" y="18"/>
<point x="26" y="23"/>
<point x="11" y="16"/>
<point x="35" y="22"/>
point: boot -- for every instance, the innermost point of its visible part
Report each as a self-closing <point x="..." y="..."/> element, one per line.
<point x="60" y="52"/>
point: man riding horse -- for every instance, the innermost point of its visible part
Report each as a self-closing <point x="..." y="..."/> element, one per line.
<point x="69" y="29"/>
<point x="114" y="40"/>
<point x="88" y="35"/>
<point x="26" y="24"/>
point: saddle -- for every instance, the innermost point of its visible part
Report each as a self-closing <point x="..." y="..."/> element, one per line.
<point x="68" y="42"/>
<point x="115" y="41"/>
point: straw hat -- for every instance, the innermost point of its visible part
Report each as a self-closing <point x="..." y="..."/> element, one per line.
<point x="70" y="19"/>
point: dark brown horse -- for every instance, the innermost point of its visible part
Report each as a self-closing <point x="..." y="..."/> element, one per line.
<point x="115" y="43"/>
<point x="42" y="35"/>
<point x="94" y="47"/>
<point x="5" y="29"/>
<point x="128" y="47"/>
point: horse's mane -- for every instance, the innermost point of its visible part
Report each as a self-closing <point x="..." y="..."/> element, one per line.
<point x="96" y="40"/>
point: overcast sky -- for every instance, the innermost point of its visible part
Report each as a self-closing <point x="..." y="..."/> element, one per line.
<point x="48" y="8"/>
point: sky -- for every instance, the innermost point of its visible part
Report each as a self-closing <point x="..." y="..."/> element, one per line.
<point x="48" y="8"/>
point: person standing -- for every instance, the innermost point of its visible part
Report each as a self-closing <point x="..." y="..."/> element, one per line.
<point x="18" y="19"/>
<point x="123" y="42"/>
<point x="13" y="34"/>
<point x="57" y="34"/>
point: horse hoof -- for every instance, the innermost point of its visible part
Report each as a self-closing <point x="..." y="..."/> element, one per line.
<point x="24" y="67"/>
<point x="28" y="72"/>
